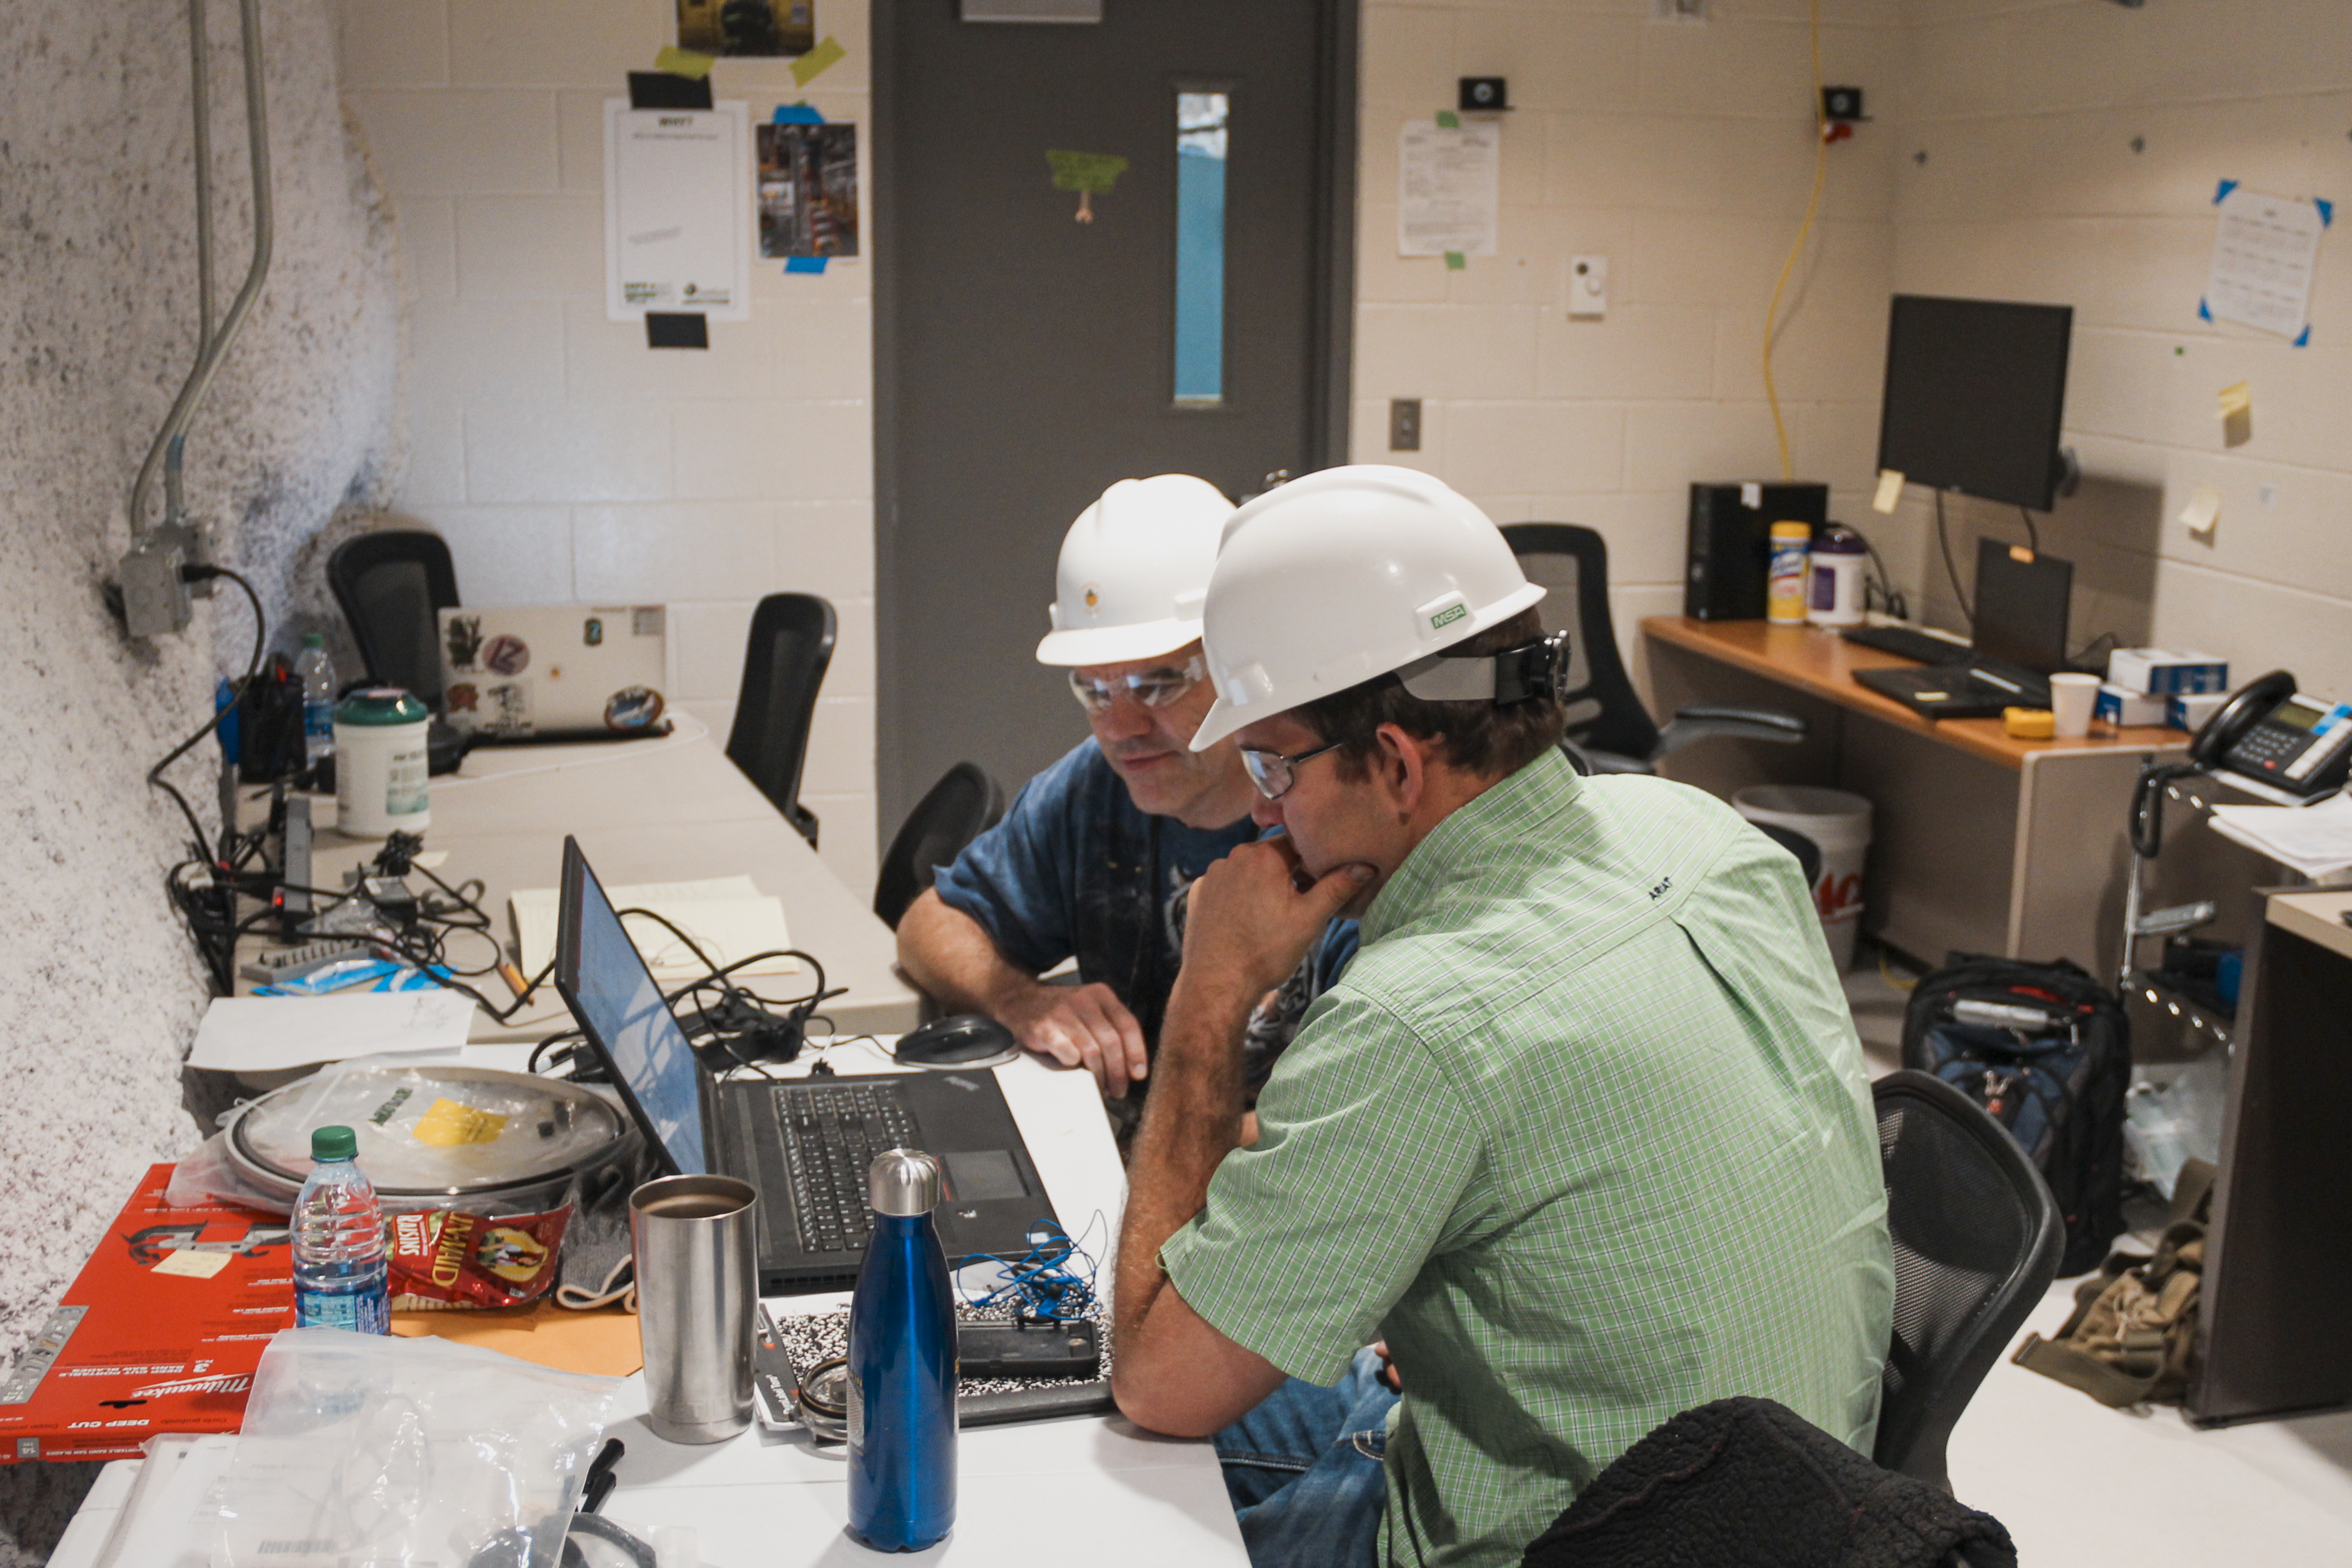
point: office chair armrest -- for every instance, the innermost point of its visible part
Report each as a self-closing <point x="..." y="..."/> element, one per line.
<point x="1704" y="723"/>
<point x="1589" y="761"/>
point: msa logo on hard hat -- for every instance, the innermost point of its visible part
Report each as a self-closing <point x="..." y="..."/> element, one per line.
<point x="1448" y="616"/>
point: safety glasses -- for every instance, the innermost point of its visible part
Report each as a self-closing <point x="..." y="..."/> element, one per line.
<point x="1274" y="773"/>
<point x="1153" y="688"/>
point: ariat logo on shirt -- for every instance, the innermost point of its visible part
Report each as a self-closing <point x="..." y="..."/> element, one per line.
<point x="1660" y="891"/>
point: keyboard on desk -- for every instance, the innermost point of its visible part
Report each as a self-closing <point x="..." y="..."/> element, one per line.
<point x="1908" y="643"/>
<point x="832" y="1133"/>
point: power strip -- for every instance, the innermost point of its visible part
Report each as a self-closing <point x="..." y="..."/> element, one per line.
<point x="291" y="962"/>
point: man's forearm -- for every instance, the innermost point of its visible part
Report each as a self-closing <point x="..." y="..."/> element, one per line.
<point x="1192" y="1121"/>
<point x="948" y="955"/>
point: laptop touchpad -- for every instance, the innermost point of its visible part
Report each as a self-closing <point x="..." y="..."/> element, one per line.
<point x="980" y="1174"/>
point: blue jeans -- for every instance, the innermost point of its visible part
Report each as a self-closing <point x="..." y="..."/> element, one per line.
<point x="1304" y="1471"/>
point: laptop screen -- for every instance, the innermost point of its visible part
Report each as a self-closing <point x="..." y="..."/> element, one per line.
<point x="620" y="1009"/>
<point x="2022" y="606"/>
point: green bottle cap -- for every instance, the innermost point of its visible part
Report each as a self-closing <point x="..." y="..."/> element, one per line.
<point x="314" y="639"/>
<point x="333" y="1144"/>
<point x="381" y="706"/>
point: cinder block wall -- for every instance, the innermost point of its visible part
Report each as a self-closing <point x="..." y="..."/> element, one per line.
<point x="98" y="308"/>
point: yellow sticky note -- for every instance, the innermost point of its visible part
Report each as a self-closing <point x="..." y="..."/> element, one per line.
<point x="2204" y="509"/>
<point x="191" y="1264"/>
<point x="680" y="62"/>
<point x="2236" y="414"/>
<point x="1890" y="491"/>
<point x="817" y="61"/>
<point x="446" y="1124"/>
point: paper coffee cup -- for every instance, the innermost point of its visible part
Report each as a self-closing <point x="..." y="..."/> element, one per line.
<point x="2071" y="698"/>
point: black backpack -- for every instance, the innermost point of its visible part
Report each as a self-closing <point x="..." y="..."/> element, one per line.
<point x="2046" y="1050"/>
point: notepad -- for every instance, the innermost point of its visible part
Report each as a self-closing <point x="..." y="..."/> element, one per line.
<point x="729" y="919"/>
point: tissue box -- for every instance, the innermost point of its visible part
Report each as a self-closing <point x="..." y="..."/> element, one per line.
<point x="2162" y="672"/>
<point x="2190" y="710"/>
<point x="2120" y="705"/>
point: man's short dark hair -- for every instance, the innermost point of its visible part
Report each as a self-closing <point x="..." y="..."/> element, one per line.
<point x="1477" y="737"/>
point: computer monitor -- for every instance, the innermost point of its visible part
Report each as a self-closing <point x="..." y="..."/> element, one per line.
<point x="2020" y="614"/>
<point x="1975" y="391"/>
<point x="601" y="974"/>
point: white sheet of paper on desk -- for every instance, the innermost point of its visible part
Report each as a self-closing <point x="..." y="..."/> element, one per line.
<point x="2313" y="840"/>
<point x="270" y="1034"/>
<point x="729" y="917"/>
<point x="2264" y="252"/>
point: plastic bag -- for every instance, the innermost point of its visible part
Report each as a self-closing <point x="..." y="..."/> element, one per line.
<point x="360" y="1449"/>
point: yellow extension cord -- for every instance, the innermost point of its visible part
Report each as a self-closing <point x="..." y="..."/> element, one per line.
<point x="1813" y="202"/>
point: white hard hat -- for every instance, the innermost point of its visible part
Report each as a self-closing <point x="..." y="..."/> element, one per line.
<point x="1134" y="570"/>
<point x="1344" y="575"/>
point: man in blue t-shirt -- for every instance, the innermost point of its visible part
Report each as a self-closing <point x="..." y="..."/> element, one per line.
<point x="1095" y="857"/>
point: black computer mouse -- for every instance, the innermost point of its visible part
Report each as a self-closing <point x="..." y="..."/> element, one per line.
<point x="967" y="1040"/>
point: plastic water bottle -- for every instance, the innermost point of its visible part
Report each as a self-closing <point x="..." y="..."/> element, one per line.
<point x="339" y="1270"/>
<point x="317" y="674"/>
<point x="902" y="1366"/>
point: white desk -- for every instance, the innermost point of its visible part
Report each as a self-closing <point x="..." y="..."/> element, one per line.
<point x="767" y="1500"/>
<point x="654" y="810"/>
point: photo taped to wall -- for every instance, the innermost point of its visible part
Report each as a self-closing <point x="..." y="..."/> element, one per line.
<point x="759" y="28"/>
<point x="807" y="191"/>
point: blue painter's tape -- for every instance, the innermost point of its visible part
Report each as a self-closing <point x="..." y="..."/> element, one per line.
<point x="2326" y="210"/>
<point x="2227" y="187"/>
<point x="805" y="263"/>
<point x="2204" y="311"/>
<point x="2302" y="339"/>
<point x="795" y="114"/>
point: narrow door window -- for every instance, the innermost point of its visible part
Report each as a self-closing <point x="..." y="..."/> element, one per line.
<point x="1200" y="248"/>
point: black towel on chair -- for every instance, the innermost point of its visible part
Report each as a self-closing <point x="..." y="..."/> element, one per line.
<point x="1744" y="1483"/>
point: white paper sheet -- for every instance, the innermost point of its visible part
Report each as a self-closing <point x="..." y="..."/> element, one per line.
<point x="678" y="211"/>
<point x="2314" y="839"/>
<point x="729" y="917"/>
<point x="2263" y="255"/>
<point x="270" y="1034"/>
<point x="1449" y="189"/>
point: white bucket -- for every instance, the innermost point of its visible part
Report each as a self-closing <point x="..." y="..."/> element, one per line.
<point x="1838" y="823"/>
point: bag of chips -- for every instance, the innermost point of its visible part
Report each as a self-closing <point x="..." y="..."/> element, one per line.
<point x="444" y="1258"/>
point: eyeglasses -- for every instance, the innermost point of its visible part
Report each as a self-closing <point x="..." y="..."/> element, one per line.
<point x="1274" y="773"/>
<point x="1153" y="688"/>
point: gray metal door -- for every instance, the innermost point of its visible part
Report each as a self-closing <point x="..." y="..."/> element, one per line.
<point x="1025" y="360"/>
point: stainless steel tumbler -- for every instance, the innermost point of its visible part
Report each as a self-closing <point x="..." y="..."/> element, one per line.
<point x="697" y="1283"/>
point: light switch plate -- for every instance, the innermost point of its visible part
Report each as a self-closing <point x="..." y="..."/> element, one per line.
<point x="1588" y="287"/>
<point x="1405" y="424"/>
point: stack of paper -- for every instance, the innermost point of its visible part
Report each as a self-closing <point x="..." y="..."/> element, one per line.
<point x="729" y="919"/>
<point x="270" y="1034"/>
<point x="2315" y="841"/>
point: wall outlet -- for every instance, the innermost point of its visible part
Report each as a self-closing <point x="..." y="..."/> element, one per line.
<point x="1405" y="424"/>
<point x="1588" y="287"/>
<point x="1678" y="10"/>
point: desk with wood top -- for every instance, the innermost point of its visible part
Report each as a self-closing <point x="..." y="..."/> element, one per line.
<point x="1979" y="843"/>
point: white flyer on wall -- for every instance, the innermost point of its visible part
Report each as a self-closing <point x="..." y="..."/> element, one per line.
<point x="2263" y="256"/>
<point x="678" y="211"/>
<point x="1449" y="189"/>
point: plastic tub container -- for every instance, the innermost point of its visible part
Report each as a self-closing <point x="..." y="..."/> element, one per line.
<point x="1838" y="823"/>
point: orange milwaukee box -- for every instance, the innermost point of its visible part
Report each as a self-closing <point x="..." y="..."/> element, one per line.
<point x="160" y="1333"/>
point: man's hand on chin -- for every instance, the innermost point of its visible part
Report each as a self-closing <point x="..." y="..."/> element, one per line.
<point x="1080" y="1026"/>
<point x="1249" y="924"/>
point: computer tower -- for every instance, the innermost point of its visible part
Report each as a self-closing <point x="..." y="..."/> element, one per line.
<point x="1731" y="541"/>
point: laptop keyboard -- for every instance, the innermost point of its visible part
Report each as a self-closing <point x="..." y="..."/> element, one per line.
<point x="1908" y="643"/>
<point x="832" y="1133"/>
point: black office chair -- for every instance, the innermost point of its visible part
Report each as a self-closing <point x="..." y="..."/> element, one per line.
<point x="783" y="667"/>
<point x="1607" y="724"/>
<point x="1976" y="1236"/>
<point x="965" y="803"/>
<point x="389" y="585"/>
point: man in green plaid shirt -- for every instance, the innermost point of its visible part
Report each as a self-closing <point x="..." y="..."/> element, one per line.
<point x="1583" y="1133"/>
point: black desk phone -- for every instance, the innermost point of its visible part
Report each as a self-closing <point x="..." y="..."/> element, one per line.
<point x="2269" y="732"/>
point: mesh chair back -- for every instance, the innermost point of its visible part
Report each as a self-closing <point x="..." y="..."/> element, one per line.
<point x="389" y="584"/>
<point x="1977" y="1238"/>
<point x="783" y="667"/>
<point x="1572" y="562"/>
<point x="965" y="803"/>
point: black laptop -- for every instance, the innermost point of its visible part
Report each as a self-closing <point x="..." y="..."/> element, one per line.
<point x="804" y="1144"/>
<point x="2021" y="641"/>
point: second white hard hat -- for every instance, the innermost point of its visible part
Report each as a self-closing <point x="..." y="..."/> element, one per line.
<point x="1134" y="571"/>
<point x="1344" y="575"/>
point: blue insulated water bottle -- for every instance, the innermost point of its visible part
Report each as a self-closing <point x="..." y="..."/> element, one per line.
<point x="902" y="1366"/>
